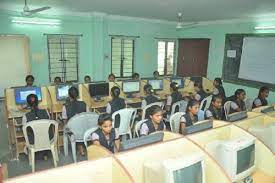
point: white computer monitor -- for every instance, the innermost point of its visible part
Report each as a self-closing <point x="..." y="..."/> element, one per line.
<point x="265" y="134"/>
<point x="236" y="156"/>
<point x="184" y="169"/>
<point x="131" y="86"/>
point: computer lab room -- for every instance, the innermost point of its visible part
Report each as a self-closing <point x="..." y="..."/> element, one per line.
<point x="125" y="91"/>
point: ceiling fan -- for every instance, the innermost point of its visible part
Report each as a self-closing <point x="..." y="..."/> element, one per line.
<point x="28" y="12"/>
<point x="181" y="24"/>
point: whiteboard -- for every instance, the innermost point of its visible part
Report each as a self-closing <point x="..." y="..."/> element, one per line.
<point x="258" y="59"/>
<point x="14" y="61"/>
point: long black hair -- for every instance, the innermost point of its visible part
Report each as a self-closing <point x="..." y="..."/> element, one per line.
<point x="148" y="89"/>
<point x="32" y="101"/>
<point x="174" y="86"/>
<point x="219" y="81"/>
<point x="115" y="92"/>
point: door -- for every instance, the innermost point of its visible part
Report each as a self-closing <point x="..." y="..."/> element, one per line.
<point x="193" y="57"/>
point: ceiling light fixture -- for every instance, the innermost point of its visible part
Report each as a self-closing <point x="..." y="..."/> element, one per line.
<point x="36" y="21"/>
<point x="264" y="27"/>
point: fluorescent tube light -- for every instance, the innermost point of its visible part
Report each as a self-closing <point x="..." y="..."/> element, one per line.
<point x="265" y="27"/>
<point x="50" y="22"/>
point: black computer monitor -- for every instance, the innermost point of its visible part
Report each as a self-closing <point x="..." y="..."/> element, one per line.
<point x="237" y="116"/>
<point x="98" y="90"/>
<point x="196" y="79"/>
<point x="178" y="80"/>
<point x="141" y="141"/>
<point x="200" y="126"/>
<point x="62" y="91"/>
<point x="21" y="94"/>
<point x="157" y="84"/>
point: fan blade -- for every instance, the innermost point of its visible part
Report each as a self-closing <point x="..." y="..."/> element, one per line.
<point x="39" y="9"/>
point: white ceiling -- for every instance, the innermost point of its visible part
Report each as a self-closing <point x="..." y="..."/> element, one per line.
<point x="193" y="10"/>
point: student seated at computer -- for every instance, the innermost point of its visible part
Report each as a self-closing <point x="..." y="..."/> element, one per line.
<point x="154" y="123"/>
<point x="73" y="107"/>
<point x="215" y="111"/>
<point x="57" y="80"/>
<point x="29" y="80"/>
<point x="149" y="97"/>
<point x="218" y="88"/>
<point x="200" y="93"/>
<point x="135" y="76"/>
<point x="238" y="103"/>
<point x="156" y="74"/>
<point x="111" y="77"/>
<point x="174" y="97"/>
<point x="35" y="114"/>
<point x="106" y="135"/>
<point x="87" y="79"/>
<point x="261" y="99"/>
<point x="116" y="103"/>
<point x="191" y="115"/>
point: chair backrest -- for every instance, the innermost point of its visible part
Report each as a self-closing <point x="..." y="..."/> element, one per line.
<point x="249" y="104"/>
<point x="175" y="121"/>
<point x="201" y="115"/>
<point x="226" y="107"/>
<point x="205" y="103"/>
<point x="144" y="110"/>
<point x="80" y="123"/>
<point x="181" y="105"/>
<point x="127" y="117"/>
<point x="87" y="135"/>
<point x="138" y="126"/>
<point x="40" y="130"/>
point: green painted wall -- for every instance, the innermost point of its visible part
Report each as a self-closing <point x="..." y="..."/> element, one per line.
<point x="216" y="32"/>
<point x="95" y="44"/>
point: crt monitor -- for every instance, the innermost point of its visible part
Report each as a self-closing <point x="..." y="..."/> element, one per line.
<point x="22" y="93"/>
<point x="157" y="84"/>
<point x="198" y="127"/>
<point x="267" y="109"/>
<point x="237" y="116"/>
<point x="189" y="168"/>
<point x="131" y="86"/>
<point x="236" y="156"/>
<point x="144" y="140"/>
<point x="179" y="81"/>
<point x="266" y="134"/>
<point x="62" y="91"/>
<point x="99" y="89"/>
